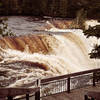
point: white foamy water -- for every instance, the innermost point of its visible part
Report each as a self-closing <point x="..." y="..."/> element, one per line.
<point x="69" y="54"/>
<point x="91" y="23"/>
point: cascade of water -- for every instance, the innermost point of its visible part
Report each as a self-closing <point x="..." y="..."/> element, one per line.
<point x="68" y="54"/>
<point x="45" y="55"/>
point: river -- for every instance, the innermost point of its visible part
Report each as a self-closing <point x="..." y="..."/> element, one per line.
<point x="55" y="50"/>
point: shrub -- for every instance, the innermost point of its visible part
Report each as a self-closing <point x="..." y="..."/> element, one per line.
<point x="4" y="31"/>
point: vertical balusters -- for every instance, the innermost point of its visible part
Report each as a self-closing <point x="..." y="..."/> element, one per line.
<point x="62" y="86"/>
<point x="56" y="87"/>
<point x="27" y="96"/>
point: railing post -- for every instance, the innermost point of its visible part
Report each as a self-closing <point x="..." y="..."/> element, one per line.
<point x="27" y="96"/>
<point x="38" y="82"/>
<point x="10" y="98"/>
<point x="92" y="99"/>
<point x="68" y="85"/>
<point x="94" y="76"/>
<point x="85" y="97"/>
<point x="37" y="95"/>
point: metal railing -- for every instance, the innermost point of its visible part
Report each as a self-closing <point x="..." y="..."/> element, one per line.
<point x="54" y="85"/>
<point x="21" y="92"/>
<point x="11" y="93"/>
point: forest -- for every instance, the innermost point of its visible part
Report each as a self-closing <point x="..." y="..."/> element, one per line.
<point x="53" y="8"/>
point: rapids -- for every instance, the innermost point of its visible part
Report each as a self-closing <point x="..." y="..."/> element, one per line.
<point x="50" y="53"/>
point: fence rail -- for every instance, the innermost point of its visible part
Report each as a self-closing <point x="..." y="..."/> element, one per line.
<point x="49" y="86"/>
<point x="69" y="75"/>
<point x="10" y="93"/>
<point x="67" y="82"/>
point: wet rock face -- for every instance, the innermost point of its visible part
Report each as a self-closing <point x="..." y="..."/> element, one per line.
<point x="55" y="8"/>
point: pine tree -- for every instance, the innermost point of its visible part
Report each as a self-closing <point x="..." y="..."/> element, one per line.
<point x="94" y="31"/>
<point x="4" y="31"/>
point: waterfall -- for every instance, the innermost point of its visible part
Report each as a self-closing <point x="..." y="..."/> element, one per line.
<point x="57" y="52"/>
<point x="44" y="55"/>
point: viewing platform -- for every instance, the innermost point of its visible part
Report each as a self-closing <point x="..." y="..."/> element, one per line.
<point x="76" y="86"/>
<point x="77" y="94"/>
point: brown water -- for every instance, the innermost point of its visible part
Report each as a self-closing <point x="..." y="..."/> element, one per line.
<point x="42" y="53"/>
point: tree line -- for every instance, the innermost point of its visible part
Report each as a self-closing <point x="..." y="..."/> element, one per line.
<point x="54" y="8"/>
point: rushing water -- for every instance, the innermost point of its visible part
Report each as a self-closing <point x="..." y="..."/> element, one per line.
<point x="49" y="53"/>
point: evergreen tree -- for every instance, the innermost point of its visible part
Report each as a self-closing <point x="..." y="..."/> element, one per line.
<point x="4" y="31"/>
<point x="94" y="31"/>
